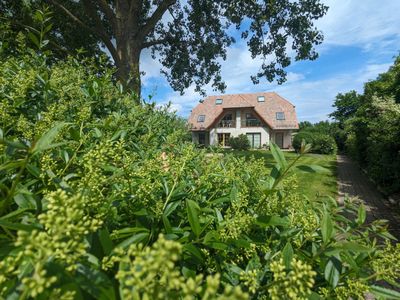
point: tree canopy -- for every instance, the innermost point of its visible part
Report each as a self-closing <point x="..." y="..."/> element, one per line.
<point x="371" y="123"/>
<point x="189" y="38"/>
<point x="346" y="106"/>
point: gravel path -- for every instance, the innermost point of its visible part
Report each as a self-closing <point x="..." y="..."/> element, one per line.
<point x="354" y="183"/>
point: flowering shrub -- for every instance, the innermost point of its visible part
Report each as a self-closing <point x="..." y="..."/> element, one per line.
<point x="102" y="199"/>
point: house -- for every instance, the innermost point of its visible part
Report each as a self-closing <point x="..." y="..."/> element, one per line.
<point x="263" y="117"/>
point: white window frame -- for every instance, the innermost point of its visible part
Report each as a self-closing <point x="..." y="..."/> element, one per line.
<point x="201" y="118"/>
<point x="261" y="98"/>
<point x="280" y="113"/>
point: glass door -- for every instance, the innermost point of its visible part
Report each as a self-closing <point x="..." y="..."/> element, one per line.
<point x="223" y="139"/>
<point x="279" y="139"/>
<point x="254" y="139"/>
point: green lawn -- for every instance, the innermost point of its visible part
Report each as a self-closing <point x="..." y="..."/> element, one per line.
<point x="316" y="172"/>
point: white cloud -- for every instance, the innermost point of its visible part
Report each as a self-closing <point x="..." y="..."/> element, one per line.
<point x="366" y="23"/>
<point x="314" y="99"/>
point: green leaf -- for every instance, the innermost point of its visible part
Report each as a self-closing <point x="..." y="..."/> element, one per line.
<point x="167" y="224"/>
<point x="127" y="231"/>
<point x="314" y="296"/>
<point x="34" y="39"/>
<point x="46" y="139"/>
<point x="137" y="238"/>
<point x="287" y="255"/>
<point x="105" y="241"/>
<point x="332" y="271"/>
<point x="15" y="144"/>
<point x="278" y="156"/>
<point x="219" y="216"/>
<point x="384" y="293"/>
<point x="361" y="215"/>
<point x="272" y="221"/>
<point x="194" y="251"/>
<point x="12" y="165"/>
<point x="234" y="194"/>
<point x="18" y="226"/>
<point x="353" y="246"/>
<point x="188" y="273"/>
<point x="192" y="208"/>
<point x="33" y="170"/>
<point x="170" y="208"/>
<point x="15" y="213"/>
<point x="95" y="283"/>
<point x="326" y="227"/>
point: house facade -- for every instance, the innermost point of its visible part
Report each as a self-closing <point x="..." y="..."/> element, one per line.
<point x="262" y="117"/>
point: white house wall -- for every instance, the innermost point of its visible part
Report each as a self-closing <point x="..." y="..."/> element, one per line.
<point x="237" y="131"/>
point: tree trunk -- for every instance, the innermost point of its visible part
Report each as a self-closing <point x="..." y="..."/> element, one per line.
<point x="129" y="47"/>
<point x="128" y="67"/>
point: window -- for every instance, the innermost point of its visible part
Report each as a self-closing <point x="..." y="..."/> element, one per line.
<point x="261" y="99"/>
<point x="280" y="115"/>
<point x="254" y="139"/>
<point x="227" y="121"/>
<point x="223" y="139"/>
<point x="202" y="138"/>
<point x="251" y="121"/>
<point x="218" y="101"/>
<point x="201" y="118"/>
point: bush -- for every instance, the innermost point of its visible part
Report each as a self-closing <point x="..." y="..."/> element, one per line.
<point x="324" y="144"/>
<point x="321" y="143"/>
<point x="240" y="142"/>
<point x="103" y="199"/>
<point x="302" y="135"/>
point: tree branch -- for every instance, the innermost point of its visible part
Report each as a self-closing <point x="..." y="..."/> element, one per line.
<point x="134" y="5"/>
<point x="155" y="17"/>
<point x="96" y="31"/>
<point x="154" y="42"/>
<point x="106" y="9"/>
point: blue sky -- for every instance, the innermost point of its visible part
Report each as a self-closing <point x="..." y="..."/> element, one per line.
<point x="361" y="40"/>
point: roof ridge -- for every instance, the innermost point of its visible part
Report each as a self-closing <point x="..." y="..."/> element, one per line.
<point x="244" y="99"/>
<point x="284" y="99"/>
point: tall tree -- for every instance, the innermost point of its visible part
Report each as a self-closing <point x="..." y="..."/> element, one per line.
<point x="346" y="106"/>
<point x="191" y="37"/>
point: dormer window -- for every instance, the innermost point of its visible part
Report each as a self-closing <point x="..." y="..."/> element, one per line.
<point x="218" y="101"/>
<point x="201" y="118"/>
<point x="261" y="99"/>
<point x="280" y="115"/>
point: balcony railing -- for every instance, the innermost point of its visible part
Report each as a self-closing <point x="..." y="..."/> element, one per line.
<point x="226" y="124"/>
<point x="251" y="123"/>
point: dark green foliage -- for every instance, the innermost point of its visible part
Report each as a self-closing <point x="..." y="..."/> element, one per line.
<point x="324" y="144"/>
<point x="387" y="84"/>
<point x="189" y="45"/>
<point x="346" y="106"/>
<point x="370" y="126"/>
<point x="64" y="38"/>
<point x="304" y="125"/>
<point x="319" y="135"/>
<point x="240" y="142"/>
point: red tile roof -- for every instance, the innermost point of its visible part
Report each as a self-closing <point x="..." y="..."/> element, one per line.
<point x="266" y="110"/>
